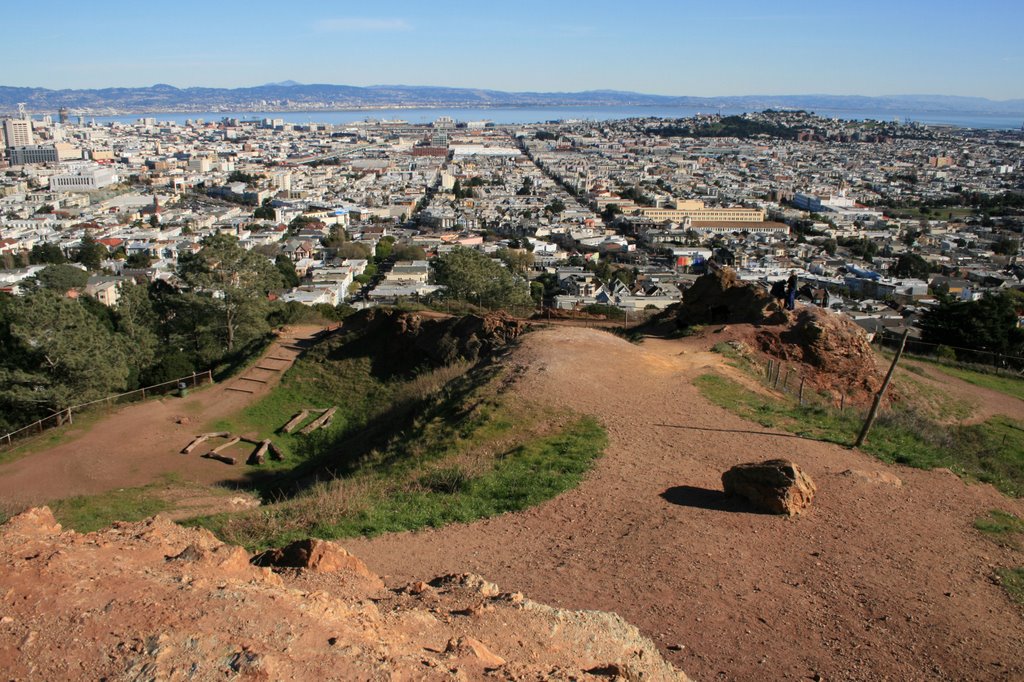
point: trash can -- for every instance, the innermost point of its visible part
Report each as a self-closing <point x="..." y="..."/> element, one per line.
<point x="182" y="389"/>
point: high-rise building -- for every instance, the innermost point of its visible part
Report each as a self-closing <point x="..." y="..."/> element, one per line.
<point x="18" y="132"/>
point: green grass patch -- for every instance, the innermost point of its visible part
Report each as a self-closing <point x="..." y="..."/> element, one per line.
<point x="991" y="452"/>
<point x="1012" y="580"/>
<point x="432" y="474"/>
<point x="1001" y="527"/>
<point x="1003" y="384"/>
<point x="88" y="513"/>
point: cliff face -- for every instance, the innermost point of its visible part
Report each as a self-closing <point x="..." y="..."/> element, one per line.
<point x="153" y="600"/>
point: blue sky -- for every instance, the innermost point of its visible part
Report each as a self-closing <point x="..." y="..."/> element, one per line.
<point x="676" y="48"/>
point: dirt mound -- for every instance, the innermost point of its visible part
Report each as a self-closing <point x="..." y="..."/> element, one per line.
<point x="153" y="600"/>
<point x="721" y="297"/>
<point x="834" y="349"/>
<point x="439" y="340"/>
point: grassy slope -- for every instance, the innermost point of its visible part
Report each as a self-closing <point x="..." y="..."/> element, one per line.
<point x="992" y="451"/>
<point x="405" y="450"/>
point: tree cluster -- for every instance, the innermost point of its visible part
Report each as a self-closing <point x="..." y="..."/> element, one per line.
<point x="988" y="325"/>
<point x="470" y="276"/>
<point x="57" y="351"/>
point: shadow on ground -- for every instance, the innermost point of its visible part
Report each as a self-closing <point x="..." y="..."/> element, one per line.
<point x="705" y="498"/>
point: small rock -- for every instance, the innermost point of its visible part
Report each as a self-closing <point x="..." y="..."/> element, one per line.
<point x="883" y="477"/>
<point x="467" y="647"/>
<point x="318" y="556"/>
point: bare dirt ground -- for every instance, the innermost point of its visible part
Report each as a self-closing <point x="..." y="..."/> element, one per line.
<point x="876" y="582"/>
<point x="137" y="444"/>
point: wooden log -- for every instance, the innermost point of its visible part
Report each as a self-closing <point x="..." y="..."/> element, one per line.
<point x="262" y="381"/>
<point x="219" y="457"/>
<point x="295" y="421"/>
<point x="257" y="455"/>
<point x="225" y="446"/>
<point x="254" y="441"/>
<point x="319" y="421"/>
<point x="239" y="390"/>
<point x="275" y="453"/>
<point x="201" y="438"/>
<point x="269" y="369"/>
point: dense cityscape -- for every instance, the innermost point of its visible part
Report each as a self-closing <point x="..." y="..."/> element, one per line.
<point x="622" y="214"/>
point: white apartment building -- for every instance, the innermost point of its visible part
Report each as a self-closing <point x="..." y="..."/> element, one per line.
<point x="83" y="179"/>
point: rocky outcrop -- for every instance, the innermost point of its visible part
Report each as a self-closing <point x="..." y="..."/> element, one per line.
<point x="832" y="345"/>
<point x="721" y="297"/>
<point x="776" y="486"/>
<point x="413" y="338"/>
<point x="153" y="600"/>
<point x="318" y="556"/>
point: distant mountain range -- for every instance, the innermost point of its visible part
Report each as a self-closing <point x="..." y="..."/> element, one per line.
<point x="290" y="95"/>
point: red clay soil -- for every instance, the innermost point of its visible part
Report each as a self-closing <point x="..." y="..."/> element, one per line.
<point x="875" y="582"/>
<point x="137" y="444"/>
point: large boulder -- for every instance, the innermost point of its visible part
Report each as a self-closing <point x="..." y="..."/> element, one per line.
<point x="776" y="486"/>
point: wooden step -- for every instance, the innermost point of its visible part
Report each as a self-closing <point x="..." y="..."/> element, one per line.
<point x="239" y="390"/>
<point x="262" y="381"/>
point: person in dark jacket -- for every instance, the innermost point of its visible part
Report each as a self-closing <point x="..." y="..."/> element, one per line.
<point x="791" y="285"/>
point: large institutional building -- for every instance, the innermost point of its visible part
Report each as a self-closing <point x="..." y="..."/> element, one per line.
<point x="695" y="210"/>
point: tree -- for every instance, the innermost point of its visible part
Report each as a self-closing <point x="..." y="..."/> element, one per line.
<point x="286" y="267"/>
<point x="989" y="324"/>
<point x="610" y="211"/>
<point x="469" y="275"/>
<point x="46" y="253"/>
<point x="518" y="261"/>
<point x="384" y="248"/>
<point x="66" y="355"/>
<point x="91" y="253"/>
<point x="235" y="283"/>
<point x="353" y="250"/>
<point x="136" y="322"/>
<point x="61" y="278"/>
<point x="408" y="252"/>
<point x="265" y="211"/>
<point x="555" y="207"/>
<point x="138" y="260"/>
<point x="911" y="265"/>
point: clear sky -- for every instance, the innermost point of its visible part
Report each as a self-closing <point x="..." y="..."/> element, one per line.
<point x="681" y="47"/>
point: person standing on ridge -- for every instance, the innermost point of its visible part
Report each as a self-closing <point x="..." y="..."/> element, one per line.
<point x="791" y="285"/>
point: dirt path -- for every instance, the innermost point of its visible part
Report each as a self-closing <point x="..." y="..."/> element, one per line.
<point x="876" y="582"/>
<point x="137" y="444"/>
<point x="985" y="402"/>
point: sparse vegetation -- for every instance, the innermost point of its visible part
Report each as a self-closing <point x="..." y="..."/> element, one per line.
<point x="1012" y="580"/>
<point x="991" y="452"/>
<point x="1001" y="527"/>
<point x="88" y="513"/>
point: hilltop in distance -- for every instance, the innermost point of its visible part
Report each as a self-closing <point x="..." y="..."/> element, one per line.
<point x="291" y="95"/>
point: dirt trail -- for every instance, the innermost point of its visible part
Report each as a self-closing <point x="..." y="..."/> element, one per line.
<point x="138" y="443"/>
<point x="876" y="582"/>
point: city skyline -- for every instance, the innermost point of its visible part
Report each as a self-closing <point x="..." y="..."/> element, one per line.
<point x="650" y="47"/>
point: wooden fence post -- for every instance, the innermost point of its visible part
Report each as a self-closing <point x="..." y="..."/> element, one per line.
<point x="842" y="402"/>
<point x="802" y="379"/>
<point x="873" y="412"/>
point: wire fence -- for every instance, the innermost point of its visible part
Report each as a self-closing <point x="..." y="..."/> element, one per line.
<point x="1002" y="363"/>
<point x="66" y="416"/>
<point x="791" y="379"/>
